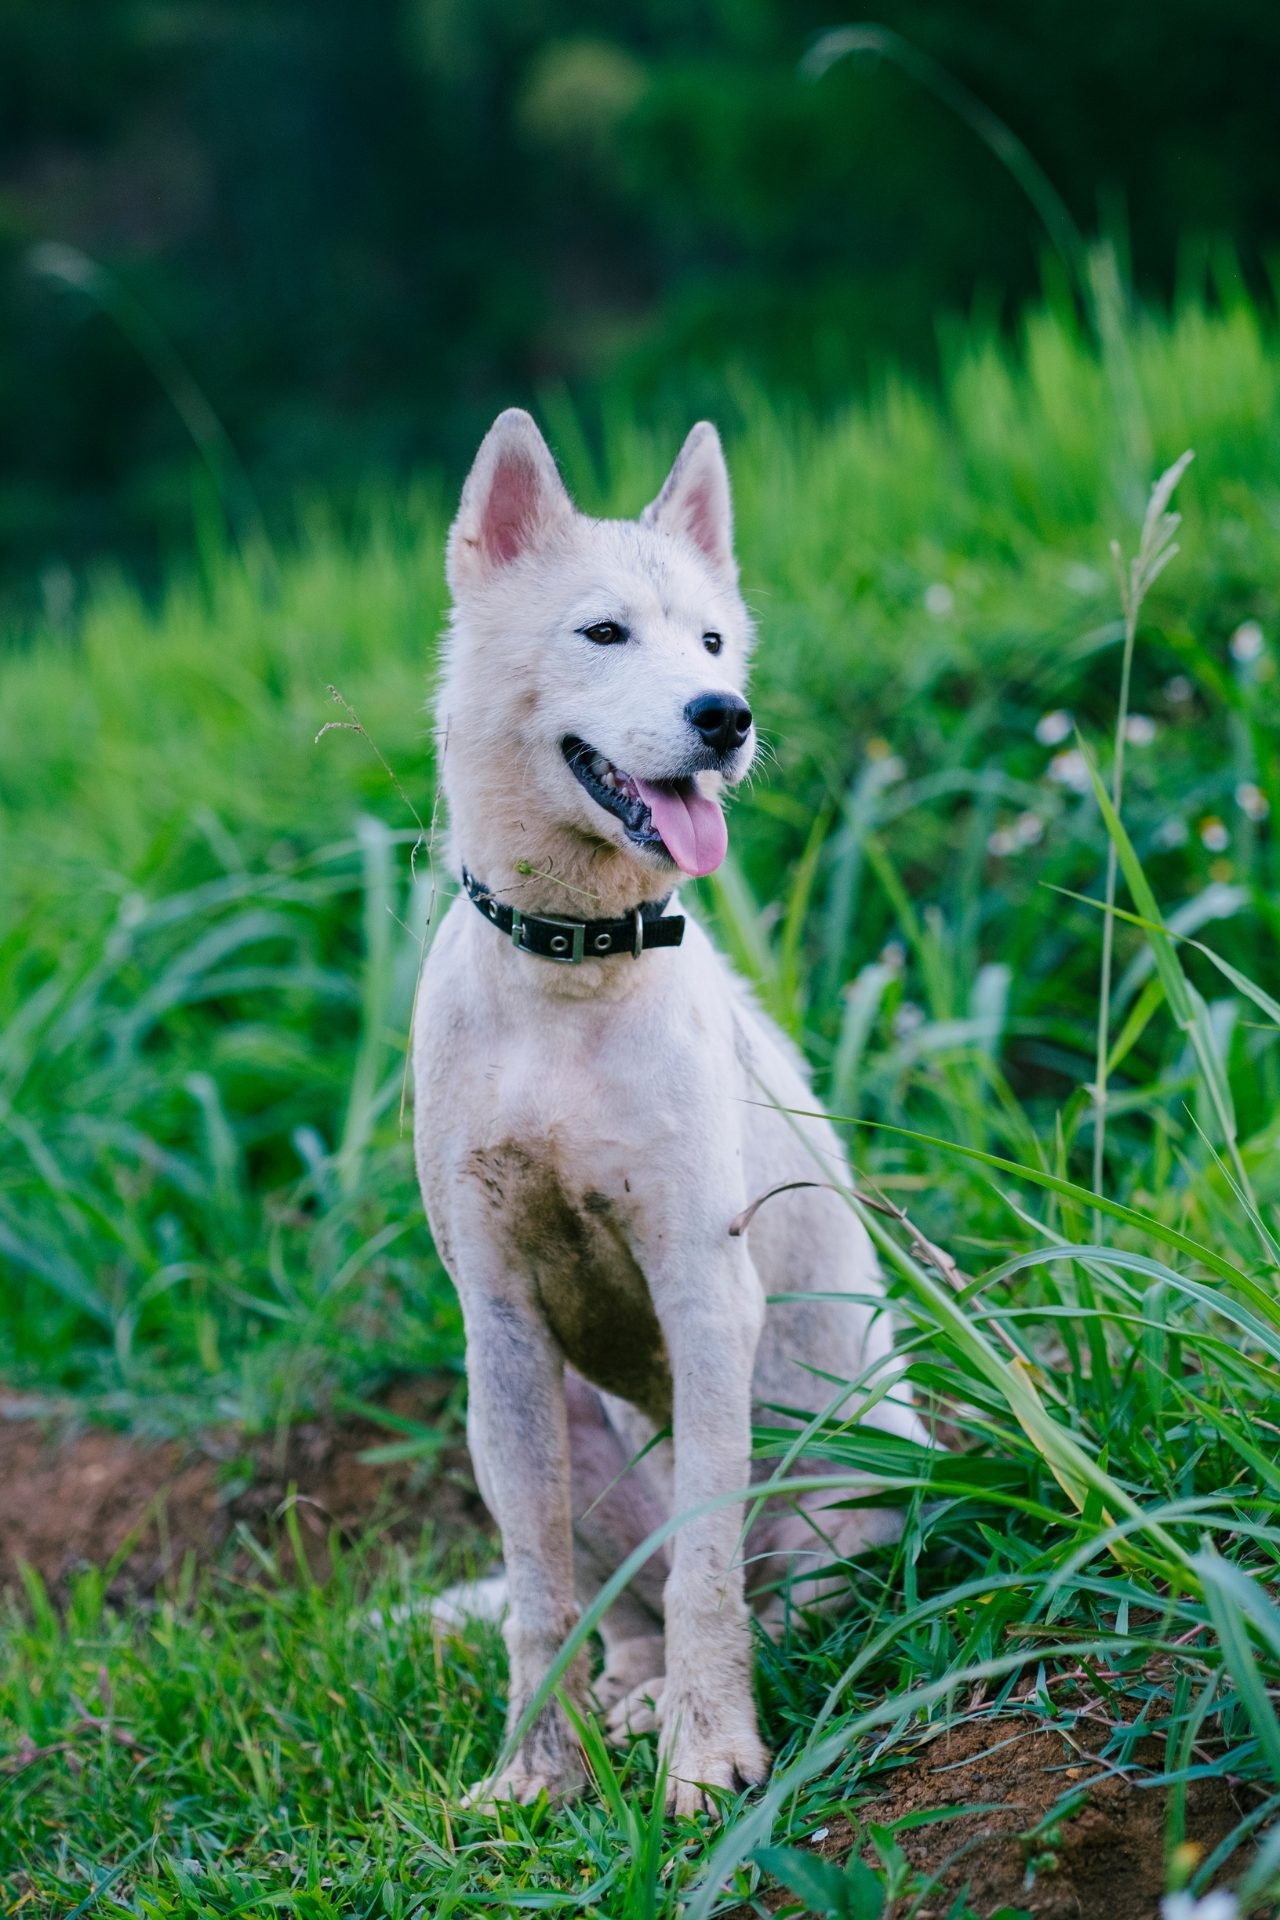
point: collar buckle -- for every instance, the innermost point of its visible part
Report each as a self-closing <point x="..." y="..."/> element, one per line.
<point x="567" y="945"/>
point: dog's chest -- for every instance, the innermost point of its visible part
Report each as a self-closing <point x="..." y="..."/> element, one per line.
<point x="574" y="1243"/>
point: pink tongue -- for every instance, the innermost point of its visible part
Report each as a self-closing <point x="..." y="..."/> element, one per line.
<point x="692" y="827"/>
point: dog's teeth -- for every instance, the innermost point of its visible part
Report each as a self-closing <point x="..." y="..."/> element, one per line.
<point x="610" y="779"/>
<point x="599" y="765"/>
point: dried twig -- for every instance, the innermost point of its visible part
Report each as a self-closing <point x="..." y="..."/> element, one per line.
<point x="29" y="1754"/>
<point x="926" y="1251"/>
<point x="920" y="1249"/>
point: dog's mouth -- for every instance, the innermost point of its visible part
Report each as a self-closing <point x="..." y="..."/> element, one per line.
<point x="671" y="818"/>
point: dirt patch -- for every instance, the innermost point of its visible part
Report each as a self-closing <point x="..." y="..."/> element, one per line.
<point x="76" y="1496"/>
<point x="1106" y="1859"/>
<point x="72" y="1496"/>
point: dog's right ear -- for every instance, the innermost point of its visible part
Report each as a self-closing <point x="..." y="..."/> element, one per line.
<point x="512" y="500"/>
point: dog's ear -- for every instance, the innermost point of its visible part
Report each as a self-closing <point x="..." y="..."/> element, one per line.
<point x="512" y="500"/>
<point x="695" y="499"/>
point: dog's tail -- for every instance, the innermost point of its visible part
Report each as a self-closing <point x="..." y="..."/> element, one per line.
<point x="457" y="1608"/>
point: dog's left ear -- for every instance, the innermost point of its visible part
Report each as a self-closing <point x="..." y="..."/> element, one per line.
<point x="695" y="500"/>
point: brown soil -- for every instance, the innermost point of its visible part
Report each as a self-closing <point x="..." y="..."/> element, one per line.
<point x="1104" y="1863"/>
<point x="74" y="1495"/>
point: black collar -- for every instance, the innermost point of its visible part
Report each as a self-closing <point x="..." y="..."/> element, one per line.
<point x="570" y="941"/>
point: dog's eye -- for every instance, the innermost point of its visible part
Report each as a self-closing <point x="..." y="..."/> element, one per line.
<point x="712" y="642"/>
<point x="605" y="633"/>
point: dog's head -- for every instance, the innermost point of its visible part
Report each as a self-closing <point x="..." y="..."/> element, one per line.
<point x="593" y="698"/>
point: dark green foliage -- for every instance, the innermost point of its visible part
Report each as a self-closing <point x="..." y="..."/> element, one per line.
<point x="364" y="226"/>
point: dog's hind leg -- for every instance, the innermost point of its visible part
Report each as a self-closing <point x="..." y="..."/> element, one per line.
<point x="799" y="1555"/>
<point x="617" y="1503"/>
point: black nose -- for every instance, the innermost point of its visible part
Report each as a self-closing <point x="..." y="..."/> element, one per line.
<point x="723" y="719"/>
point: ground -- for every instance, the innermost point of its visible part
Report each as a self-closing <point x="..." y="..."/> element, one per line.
<point x="1055" y="1832"/>
<point x="73" y="1495"/>
<point x="1103" y="1856"/>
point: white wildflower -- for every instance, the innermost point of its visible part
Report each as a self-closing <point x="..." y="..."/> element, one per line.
<point x="1214" y="835"/>
<point x="1178" y="690"/>
<point x="1139" y="729"/>
<point x="1070" y="769"/>
<point x="1246" y="642"/>
<point x="1053" y="728"/>
<point x="1172" y="832"/>
<point x="894" y="955"/>
<point x="1029" y="828"/>
<point x="1002" y="842"/>
<point x="939" y="600"/>
<point x="908" y="1017"/>
<point x="1252" y="801"/>
<point x="1212" y="1906"/>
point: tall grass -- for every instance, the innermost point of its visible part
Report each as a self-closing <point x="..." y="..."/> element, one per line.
<point x="211" y="933"/>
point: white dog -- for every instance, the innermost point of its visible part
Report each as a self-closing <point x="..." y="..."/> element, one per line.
<point x="587" y="1130"/>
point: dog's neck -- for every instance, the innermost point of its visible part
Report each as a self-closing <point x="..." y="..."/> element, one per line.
<point x="542" y="870"/>
<point x="568" y="883"/>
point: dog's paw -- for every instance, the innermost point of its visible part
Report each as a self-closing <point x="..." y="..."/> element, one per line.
<point x="730" y="1764"/>
<point x="629" y="1665"/>
<point x="638" y="1711"/>
<point x="521" y="1785"/>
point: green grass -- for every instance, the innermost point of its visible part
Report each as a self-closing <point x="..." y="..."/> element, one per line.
<point x="207" y="1210"/>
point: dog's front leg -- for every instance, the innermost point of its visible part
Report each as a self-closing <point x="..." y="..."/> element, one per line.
<point x="709" y="1731"/>
<point x="518" y="1431"/>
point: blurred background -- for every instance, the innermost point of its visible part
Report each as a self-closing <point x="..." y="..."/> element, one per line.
<point x="353" y="232"/>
